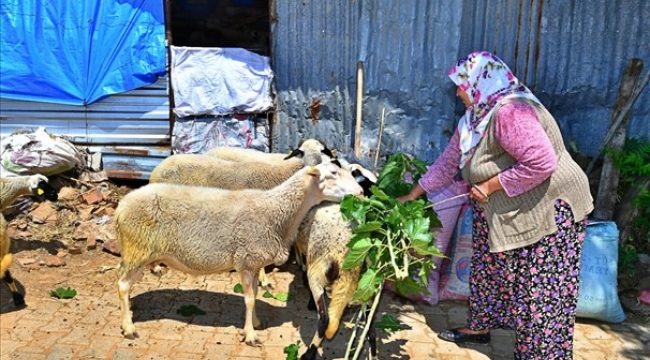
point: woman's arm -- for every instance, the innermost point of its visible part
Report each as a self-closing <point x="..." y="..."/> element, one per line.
<point x="440" y="173"/>
<point x="521" y="135"/>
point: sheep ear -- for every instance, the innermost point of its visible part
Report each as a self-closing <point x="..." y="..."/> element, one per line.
<point x="328" y="152"/>
<point x="295" y="152"/>
<point x="47" y="191"/>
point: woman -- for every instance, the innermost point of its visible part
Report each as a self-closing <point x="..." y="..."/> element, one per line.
<point x="530" y="206"/>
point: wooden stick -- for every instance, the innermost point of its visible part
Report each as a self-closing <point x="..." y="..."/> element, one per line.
<point x="606" y="197"/>
<point x="619" y="120"/>
<point x="381" y="131"/>
<point x="357" y="132"/>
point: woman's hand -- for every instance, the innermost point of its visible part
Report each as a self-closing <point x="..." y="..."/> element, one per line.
<point x="482" y="191"/>
<point x="477" y="193"/>
<point x="414" y="194"/>
<point x="405" y="198"/>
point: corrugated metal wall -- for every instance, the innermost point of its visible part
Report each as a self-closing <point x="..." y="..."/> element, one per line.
<point x="314" y="57"/>
<point x="131" y="129"/>
<point x="571" y="53"/>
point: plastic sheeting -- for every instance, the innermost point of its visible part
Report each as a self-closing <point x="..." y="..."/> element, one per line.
<point x="198" y="135"/>
<point x="220" y="81"/>
<point x="78" y="52"/>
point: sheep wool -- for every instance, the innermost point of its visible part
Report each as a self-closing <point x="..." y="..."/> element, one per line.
<point x="238" y="154"/>
<point x="203" y="170"/>
<point x="312" y="151"/>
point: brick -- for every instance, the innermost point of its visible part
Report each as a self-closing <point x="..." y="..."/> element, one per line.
<point x="93" y="196"/>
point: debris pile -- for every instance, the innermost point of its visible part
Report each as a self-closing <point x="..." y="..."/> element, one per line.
<point x="80" y="221"/>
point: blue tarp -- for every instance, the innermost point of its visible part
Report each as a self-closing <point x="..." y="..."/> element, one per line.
<point x="77" y="52"/>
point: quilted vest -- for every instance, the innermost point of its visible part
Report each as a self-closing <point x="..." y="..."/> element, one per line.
<point x="524" y="219"/>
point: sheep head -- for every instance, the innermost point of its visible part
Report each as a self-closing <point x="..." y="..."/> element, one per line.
<point x="40" y="187"/>
<point x="334" y="182"/>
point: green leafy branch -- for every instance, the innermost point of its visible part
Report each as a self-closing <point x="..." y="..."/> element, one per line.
<point x="392" y="241"/>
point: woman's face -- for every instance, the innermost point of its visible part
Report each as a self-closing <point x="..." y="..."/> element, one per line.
<point x="463" y="96"/>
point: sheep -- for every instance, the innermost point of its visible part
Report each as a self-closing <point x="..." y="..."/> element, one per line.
<point x="202" y="230"/>
<point x="10" y="189"/>
<point x="244" y="155"/>
<point x="323" y="237"/>
<point x="305" y="148"/>
<point x="206" y="170"/>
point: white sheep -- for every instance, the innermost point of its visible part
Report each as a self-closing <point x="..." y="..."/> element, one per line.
<point x="238" y="154"/>
<point x="323" y="238"/>
<point x="304" y="148"/>
<point x="10" y="189"/>
<point x="206" y="170"/>
<point x="201" y="230"/>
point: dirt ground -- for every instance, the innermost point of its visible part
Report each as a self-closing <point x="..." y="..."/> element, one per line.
<point x="70" y="244"/>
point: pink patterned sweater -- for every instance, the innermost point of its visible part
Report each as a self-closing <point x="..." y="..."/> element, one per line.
<point x="519" y="132"/>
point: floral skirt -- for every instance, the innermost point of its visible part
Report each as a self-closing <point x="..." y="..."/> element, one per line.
<point x="533" y="290"/>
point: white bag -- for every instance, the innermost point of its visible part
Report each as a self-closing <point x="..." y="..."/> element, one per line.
<point x="37" y="152"/>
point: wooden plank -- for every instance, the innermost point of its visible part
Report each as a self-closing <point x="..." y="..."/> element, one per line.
<point x="357" y="130"/>
<point x="606" y="198"/>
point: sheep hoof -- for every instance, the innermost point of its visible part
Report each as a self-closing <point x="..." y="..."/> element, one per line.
<point x="252" y="341"/>
<point x="310" y="354"/>
<point x="130" y="334"/>
<point x="158" y="270"/>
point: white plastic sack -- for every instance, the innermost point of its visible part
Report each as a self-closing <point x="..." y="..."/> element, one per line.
<point x="598" y="291"/>
<point x="37" y="152"/>
<point x="219" y="81"/>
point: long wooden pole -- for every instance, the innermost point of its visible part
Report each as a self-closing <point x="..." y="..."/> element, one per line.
<point x="607" y="198"/>
<point x="357" y="132"/>
<point x="619" y="119"/>
<point x="381" y="131"/>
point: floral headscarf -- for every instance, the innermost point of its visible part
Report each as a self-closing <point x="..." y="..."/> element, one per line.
<point x="487" y="80"/>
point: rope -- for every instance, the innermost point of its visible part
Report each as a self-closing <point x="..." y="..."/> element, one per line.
<point x="449" y="199"/>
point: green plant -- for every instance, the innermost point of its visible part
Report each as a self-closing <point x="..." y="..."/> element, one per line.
<point x="389" y="324"/>
<point x="63" y="293"/>
<point x="392" y="240"/>
<point x="280" y="296"/>
<point x="292" y="351"/>
<point x="627" y="259"/>
<point x="633" y="163"/>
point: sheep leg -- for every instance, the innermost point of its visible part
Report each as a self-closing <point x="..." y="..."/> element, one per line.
<point x="311" y="305"/>
<point x="249" y="281"/>
<point x="300" y="260"/>
<point x="18" y="298"/>
<point x="323" y="322"/>
<point x="124" y="283"/>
